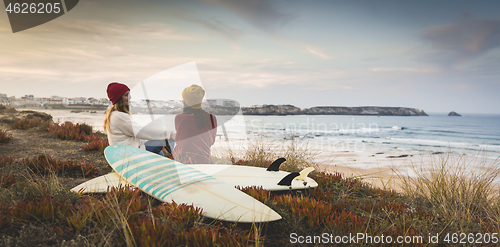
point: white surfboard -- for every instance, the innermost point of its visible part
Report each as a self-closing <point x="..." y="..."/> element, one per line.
<point x="244" y="176"/>
<point x="234" y="175"/>
<point x="168" y="180"/>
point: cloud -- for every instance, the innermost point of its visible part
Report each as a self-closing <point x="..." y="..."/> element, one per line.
<point x="416" y="70"/>
<point x="269" y="73"/>
<point x="316" y="51"/>
<point x="213" y="24"/>
<point x="29" y="71"/>
<point x="461" y="86"/>
<point x="261" y="14"/>
<point x="336" y="87"/>
<point x="452" y="45"/>
<point x="96" y="29"/>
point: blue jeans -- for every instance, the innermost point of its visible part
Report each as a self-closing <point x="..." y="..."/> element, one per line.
<point x="155" y="146"/>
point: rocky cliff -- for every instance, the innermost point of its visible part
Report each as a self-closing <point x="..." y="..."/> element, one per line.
<point x="332" y="110"/>
<point x="272" y="110"/>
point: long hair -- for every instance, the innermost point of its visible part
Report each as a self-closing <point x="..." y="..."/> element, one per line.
<point x="202" y="117"/>
<point x="117" y="106"/>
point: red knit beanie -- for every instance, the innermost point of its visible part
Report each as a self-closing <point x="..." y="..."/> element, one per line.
<point x="116" y="90"/>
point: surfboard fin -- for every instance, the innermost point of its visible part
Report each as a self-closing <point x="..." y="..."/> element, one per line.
<point x="275" y="166"/>
<point x="287" y="180"/>
<point x="304" y="173"/>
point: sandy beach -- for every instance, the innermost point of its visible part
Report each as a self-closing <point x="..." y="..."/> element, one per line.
<point x="337" y="203"/>
<point x="378" y="166"/>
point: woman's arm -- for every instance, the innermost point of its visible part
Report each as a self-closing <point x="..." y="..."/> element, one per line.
<point x="128" y="126"/>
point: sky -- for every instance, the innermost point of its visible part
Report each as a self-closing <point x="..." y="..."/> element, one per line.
<point x="438" y="56"/>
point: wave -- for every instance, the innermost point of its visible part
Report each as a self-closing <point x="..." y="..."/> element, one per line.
<point x="446" y="144"/>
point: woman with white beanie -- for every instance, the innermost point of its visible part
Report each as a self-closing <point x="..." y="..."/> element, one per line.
<point x="195" y="129"/>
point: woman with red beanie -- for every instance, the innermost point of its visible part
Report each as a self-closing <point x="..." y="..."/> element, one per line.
<point x="119" y="124"/>
<point x="195" y="129"/>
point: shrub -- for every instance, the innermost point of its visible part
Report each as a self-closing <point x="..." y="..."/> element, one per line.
<point x="154" y="232"/>
<point x="5" y="137"/>
<point x="70" y="131"/>
<point x="46" y="210"/>
<point x="5" y="160"/>
<point x="95" y="145"/>
<point x="45" y="164"/>
<point x="6" y="181"/>
<point x="257" y="192"/>
<point x="29" y="123"/>
<point x="41" y="115"/>
<point x="85" y="128"/>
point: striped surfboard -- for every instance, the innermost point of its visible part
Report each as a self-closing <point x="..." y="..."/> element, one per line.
<point x="168" y="180"/>
<point x="234" y="175"/>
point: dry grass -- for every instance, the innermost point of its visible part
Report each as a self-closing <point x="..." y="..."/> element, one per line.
<point x="461" y="190"/>
<point x="5" y="136"/>
<point x="261" y="153"/>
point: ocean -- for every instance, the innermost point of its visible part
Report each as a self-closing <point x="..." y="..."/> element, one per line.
<point x="358" y="141"/>
<point x="471" y="133"/>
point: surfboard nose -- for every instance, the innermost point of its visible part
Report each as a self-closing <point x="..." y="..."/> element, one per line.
<point x="249" y="217"/>
<point x="258" y="212"/>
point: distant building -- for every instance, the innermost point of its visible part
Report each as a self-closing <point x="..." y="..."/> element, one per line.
<point x="104" y="101"/>
<point x="80" y="101"/>
<point x="92" y="101"/>
<point x="30" y="100"/>
<point x="71" y="101"/>
<point x="27" y="97"/>
<point x="4" y="101"/>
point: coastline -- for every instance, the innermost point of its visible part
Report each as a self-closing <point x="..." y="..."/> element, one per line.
<point x="359" y="194"/>
<point x="378" y="166"/>
<point x="284" y="110"/>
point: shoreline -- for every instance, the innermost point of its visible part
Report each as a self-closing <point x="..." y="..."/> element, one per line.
<point x="379" y="166"/>
<point x="374" y="197"/>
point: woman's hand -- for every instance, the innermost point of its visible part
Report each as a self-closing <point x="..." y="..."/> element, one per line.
<point x="169" y="135"/>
